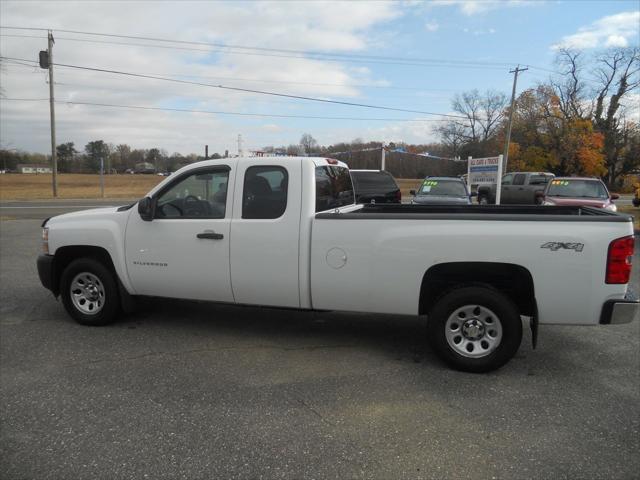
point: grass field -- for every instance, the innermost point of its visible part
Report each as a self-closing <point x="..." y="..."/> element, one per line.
<point x="38" y="187"/>
<point x="70" y="185"/>
<point x="407" y="184"/>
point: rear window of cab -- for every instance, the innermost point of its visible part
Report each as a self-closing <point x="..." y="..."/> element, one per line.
<point x="333" y="188"/>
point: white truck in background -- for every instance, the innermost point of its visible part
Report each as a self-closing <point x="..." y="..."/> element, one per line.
<point x="286" y="232"/>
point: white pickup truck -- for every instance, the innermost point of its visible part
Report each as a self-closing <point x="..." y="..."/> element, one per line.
<point x="285" y="232"/>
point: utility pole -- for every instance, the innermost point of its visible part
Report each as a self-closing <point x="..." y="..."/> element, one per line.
<point x="54" y="160"/>
<point x="239" y="145"/>
<point x="513" y="102"/>
<point x="102" y="175"/>
<point x="383" y="157"/>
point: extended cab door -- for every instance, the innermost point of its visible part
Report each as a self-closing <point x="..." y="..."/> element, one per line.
<point x="265" y="233"/>
<point x="506" y="193"/>
<point x="519" y="191"/>
<point x="183" y="252"/>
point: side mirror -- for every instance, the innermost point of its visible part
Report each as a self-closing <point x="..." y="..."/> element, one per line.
<point x="147" y="208"/>
<point x="539" y="194"/>
<point x="615" y="196"/>
<point x="412" y="192"/>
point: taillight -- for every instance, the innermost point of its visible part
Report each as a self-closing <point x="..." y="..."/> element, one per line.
<point x="619" y="260"/>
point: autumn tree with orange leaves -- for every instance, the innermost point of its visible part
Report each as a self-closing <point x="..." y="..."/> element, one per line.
<point x="574" y="124"/>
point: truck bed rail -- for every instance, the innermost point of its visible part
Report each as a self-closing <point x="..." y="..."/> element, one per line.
<point x="522" y="213"/>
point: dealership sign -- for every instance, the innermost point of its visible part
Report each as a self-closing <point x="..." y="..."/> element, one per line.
<point x="483" y="171"/>
<point x="486" y="171"/>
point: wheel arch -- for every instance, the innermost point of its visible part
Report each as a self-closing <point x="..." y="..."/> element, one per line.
<point x="513" y="280"/>
<point x="65" y="255"/>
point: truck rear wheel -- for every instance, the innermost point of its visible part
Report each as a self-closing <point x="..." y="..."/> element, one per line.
<point x="89" y="292"/>
<point x="475" y="329"/>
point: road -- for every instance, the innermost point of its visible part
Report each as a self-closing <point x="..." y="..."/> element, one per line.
<point x="196" y="390"/>
<point x="48" y="208"/>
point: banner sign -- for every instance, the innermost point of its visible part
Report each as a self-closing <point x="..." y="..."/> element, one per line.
<point x="483" y="171"/>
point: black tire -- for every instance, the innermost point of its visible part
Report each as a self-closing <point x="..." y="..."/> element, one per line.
<point x="504" y="309"/>
<point x="109" y="301"/>
<point x="636" y="202"/>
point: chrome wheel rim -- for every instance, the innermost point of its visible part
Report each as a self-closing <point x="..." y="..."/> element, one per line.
<point x="87" y="293"/>
<point x="473" y="331"/>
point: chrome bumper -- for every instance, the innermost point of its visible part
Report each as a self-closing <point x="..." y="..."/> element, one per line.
<point x="615" y="312"/>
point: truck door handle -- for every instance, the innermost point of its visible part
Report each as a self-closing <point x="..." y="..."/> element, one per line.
<point x="210" y="235"/>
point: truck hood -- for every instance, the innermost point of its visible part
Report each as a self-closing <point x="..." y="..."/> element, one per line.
<point x="93" y="213"/>
<point x="440" y="200"/>
<point x="584" y="202"/>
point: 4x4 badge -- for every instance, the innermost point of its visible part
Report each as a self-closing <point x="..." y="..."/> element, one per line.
<point x="555" y="246"/>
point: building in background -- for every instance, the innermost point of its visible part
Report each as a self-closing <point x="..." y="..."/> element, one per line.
<point x="35" y="168"/>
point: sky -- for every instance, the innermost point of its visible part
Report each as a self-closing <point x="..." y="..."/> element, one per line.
<point x="406" y="55"/>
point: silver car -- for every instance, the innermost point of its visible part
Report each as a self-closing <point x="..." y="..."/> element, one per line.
<point x="441" y="191"/>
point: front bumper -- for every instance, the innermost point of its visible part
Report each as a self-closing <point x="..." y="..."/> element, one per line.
<point x="615" y="312"/>
<point x="45" y="271"/>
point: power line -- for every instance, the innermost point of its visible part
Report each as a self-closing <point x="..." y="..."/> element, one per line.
<point x="214" y="112"/>
<point x="326" y="57"/>
<point x="395" y="60"/>
<point x="259" y="80"/>
<point x="261" y="49"/>
<point x="244" y="90"/>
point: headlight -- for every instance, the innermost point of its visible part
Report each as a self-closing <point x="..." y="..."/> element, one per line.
<point x="547" y="203"/>
<point x="612" y="207"/>
<point x="45" y="240"/>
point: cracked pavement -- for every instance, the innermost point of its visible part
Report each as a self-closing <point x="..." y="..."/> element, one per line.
<point x="196" y="390"/>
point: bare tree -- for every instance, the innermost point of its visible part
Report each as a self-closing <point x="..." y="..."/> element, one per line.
<point x="483" y="114"/>
<point x="493" y="108"/>
<point x="570" y="87"/>
<point x="308" y="143"/>
<point x="617" y="75"/>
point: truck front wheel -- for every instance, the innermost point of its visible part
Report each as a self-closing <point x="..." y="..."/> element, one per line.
<point x="475" y="329"/>
<point x="89" y="292"/>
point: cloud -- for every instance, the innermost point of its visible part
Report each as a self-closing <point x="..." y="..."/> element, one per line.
<point x="475" y="7"/>
<point x="320" y="26"/>
<point x="432" y="26"/>
<point x="477" y="32"/>
<point x="619" y="30"/>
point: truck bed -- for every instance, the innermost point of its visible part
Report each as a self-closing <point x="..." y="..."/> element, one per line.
<point x="478" y="212"/>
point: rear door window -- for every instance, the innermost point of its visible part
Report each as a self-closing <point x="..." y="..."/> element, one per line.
<point x="264" y="193"/>
<point x="519" y="179"/>
<point x="539" y="179"/>
<point x="333" y="188"/>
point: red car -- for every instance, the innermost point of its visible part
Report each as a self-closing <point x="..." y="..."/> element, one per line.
<point x="582" y="191"/>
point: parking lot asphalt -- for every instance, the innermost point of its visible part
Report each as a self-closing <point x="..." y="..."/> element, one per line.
<point x="196" y="390"/>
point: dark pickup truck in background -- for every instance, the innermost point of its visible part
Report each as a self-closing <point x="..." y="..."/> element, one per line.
<point x="375" y="186"/>
<point x="518" y="188"/>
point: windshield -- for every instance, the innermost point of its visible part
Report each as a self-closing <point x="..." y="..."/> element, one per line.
<point x="447" y="188"/>
<point x="577" y="189"/>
